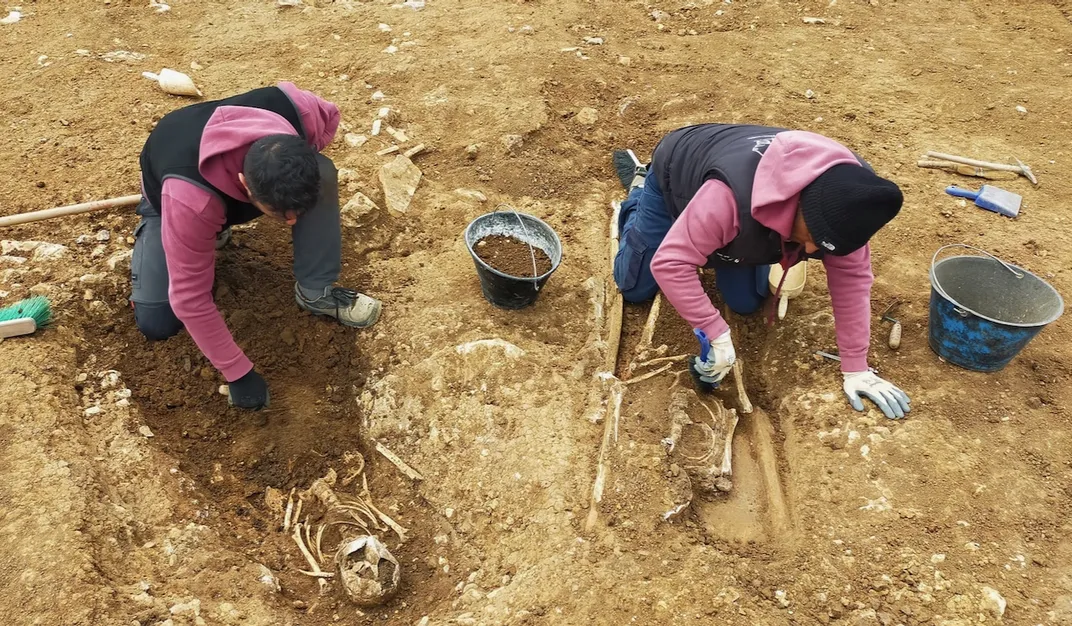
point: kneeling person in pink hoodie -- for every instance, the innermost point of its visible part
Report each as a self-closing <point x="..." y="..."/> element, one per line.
<point x="209" y="166"/>
<point x="740" y="198"/>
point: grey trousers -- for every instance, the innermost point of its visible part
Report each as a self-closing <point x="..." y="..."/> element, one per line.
<point x="316" y="238"/>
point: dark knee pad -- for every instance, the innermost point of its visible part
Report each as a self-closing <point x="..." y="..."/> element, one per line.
<point x="640" y="293"/>
<point x="745" y="305"/>
<point x="156" y="321"/>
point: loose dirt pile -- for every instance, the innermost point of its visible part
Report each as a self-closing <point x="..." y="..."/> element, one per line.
<point x="135" y="495"/>
<point x="513" y="256"/>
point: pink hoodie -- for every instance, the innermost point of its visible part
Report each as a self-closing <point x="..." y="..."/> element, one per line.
<point x="709" y="222"/>
<point x="192" y="216"/>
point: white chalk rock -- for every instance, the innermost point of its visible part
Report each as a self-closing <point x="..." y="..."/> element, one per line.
<point x="356" y="209"/>
<point x="399" y="179"/>
<point x="587" y="116"/>
<point x="193" y="607"/>
<point x="120" y="260"/>
<point x="42" y="250"/>
<point x="993" y="602"/>
<point x="472" y="194"/>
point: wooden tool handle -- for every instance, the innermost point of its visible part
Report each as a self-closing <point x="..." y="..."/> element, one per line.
<point x="895" y="336"/>
<point x="985" y="164"/>
<point x="968" y="170"/>
<point x="14" y="328"/>
<point x="74" y="209"/>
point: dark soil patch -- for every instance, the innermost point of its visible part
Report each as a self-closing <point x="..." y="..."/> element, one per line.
<point x="512" y="256"/>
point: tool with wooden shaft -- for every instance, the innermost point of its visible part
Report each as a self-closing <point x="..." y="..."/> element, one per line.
<point x="1020" y="168"/>
<point x="73" y="209"/>
<point x="895" y="330"/>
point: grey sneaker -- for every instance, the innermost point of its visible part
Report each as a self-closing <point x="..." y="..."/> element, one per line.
<point x="223" y="237"/>
<point x="346" y="305"/>
<point x="639" y="174"/>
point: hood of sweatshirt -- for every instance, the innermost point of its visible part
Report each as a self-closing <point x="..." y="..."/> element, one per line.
<point x="792" y="161"/>
<point x="226" y="139"/>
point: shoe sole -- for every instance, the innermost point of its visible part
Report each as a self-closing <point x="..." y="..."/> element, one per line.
<point x="375" y="316"/>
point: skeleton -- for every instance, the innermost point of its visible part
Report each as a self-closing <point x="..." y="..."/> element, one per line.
<point x="369" y="573"/>
<point x="606" y="394"/>
<point x="702" y="448"/>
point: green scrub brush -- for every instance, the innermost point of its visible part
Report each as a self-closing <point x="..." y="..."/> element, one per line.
<point x="24" y="317"/>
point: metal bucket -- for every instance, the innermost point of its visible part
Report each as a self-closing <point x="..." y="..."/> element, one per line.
<point x="983" y="311"/>
<point x="499" y="288"/>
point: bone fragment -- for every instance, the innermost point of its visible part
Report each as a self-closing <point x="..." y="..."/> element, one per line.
<point x="609" y="429"/>
<point x="727" y="454"/>
<point x="319" y="538"/>
<point x="614" y="315"/>
<point x="395" y="526"/>
<point x="287" y="513"/>
<point x="297" y="511"/>
<point x="398" y="462"/>
<point x="738" y="379"/>
<point x="713" y="474"/>
<point x="676" y="512"/>
<point x="677" y="358"/>
<point x="679" y="418"/>
<point x="309" y="558"/>
<point x="366" y="500"/>
<point x="648" y="333"/>
<point x="414" y="151"/>
<point x="650" y="374"/>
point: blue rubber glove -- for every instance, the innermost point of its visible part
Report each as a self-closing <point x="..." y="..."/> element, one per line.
<point x="888" y="397"/>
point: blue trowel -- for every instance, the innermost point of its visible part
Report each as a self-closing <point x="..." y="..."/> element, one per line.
<point x="990" y="198"/>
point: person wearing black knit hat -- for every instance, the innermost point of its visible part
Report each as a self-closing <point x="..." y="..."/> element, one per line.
<point x="846" y="205"/>
<point x="739" y="198"/>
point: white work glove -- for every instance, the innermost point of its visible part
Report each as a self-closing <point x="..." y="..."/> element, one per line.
<point x="719" y="360"/>
<point x="892" y="401"/>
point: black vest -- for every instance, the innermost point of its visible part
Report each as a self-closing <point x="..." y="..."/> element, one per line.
<point x="688" y="157"/>
<point x="173" y="148"/>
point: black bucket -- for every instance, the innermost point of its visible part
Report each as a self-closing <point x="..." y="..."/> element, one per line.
<point x="503" y="290"/>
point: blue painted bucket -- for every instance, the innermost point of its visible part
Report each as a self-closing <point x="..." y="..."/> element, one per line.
<point x="983" y="311"/>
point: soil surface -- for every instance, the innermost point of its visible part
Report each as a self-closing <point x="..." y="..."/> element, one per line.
<point x="513" y="256"/>
<point x="134" y="495"/>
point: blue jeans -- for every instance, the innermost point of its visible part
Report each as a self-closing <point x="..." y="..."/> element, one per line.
<point x="642" y="226"/>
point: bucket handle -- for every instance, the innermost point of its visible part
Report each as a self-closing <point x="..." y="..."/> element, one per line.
<point x="957" y="308"/>
<point x="532" y="250"/>
<point x="934" y="259"/>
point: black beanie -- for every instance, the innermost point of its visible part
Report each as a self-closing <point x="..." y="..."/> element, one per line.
<point x="846" y="205"/>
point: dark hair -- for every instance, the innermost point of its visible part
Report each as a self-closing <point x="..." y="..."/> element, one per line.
<point x="282" y="173"/>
